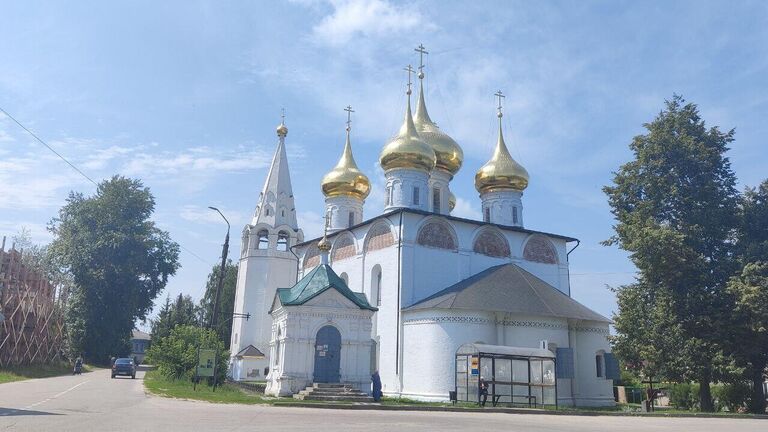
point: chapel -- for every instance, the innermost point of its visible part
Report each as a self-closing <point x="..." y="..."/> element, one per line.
<point x="436" y="304"/>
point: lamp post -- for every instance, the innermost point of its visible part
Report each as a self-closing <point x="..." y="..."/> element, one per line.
<point x="214" y="317"/>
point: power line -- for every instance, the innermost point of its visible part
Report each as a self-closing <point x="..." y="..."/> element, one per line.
<point x="40" y="140"/>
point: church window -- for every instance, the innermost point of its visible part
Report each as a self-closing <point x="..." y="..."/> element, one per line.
<point x="379" y="237"/>
<point x="514" y="215"/>
<point x="282" y="241"/>
<point x="416" y="195"/>
<point x="600" y="364"/>
<point x="437" y="235"/>
<point x="539" y="249"/>
<point x="436" y="200"/>
<point x="263" y="242"/>
<point x="376" y="285"/>
<point x="312" y="257"/>
<point x="378" y="288"/>
<point x="388" y="198"/>
<point x="343" y="248"/>
<point x="282" y="213"/>
<point x="487" y="214"/>
<point x="267" y="211"/>
<point x="491" y="244"/>
<point x="351" y="220"/>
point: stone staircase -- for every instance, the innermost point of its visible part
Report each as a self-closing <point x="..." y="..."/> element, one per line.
<point x="332" y="392"/>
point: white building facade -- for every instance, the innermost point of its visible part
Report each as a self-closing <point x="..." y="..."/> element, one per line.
<point x="432" y="282"/>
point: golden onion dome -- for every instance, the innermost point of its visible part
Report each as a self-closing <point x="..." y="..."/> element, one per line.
<point x="407" y="149"/>
<point x="448" y="153"/>
<point x="451" y="201"/>
<point x="324" y="245"/>
<point x="282" y="130"/>
<point x="501" y="172"/>
<point x="346" y="179"/>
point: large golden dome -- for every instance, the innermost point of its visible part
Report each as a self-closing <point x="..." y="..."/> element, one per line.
<point x="407" y="149"/>
<point x="501" y="172"/>
<point x="448" y="154"/>
<point x="345" y="179"/>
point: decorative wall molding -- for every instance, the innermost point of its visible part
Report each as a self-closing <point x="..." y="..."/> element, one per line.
<point x="448" y="319"/>
<point x="598" y="330"/>
<point x="536" y="324"/>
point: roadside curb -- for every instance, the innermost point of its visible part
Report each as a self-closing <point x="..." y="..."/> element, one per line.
<point x="373" y="407"/>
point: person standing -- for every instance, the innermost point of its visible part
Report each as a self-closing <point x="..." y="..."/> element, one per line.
<point x="376" y="379"/>
<point x="483" y="392"/>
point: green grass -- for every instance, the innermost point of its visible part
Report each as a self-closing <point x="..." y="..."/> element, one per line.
<point x="36" y="371"/>
<point x="183" y="389"/>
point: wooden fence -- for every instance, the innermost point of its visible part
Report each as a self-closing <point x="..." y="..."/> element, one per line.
<point x="32" y="327"/>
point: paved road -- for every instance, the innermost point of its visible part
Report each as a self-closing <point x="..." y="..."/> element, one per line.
<point x="94" y="402"/>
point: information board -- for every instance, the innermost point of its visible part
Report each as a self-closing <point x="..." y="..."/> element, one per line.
<point x="206" y="362"/>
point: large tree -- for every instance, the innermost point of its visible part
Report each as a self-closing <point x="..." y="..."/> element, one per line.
<point x="182" y="311"/>
<point x="119" y="260"/>
<point x="675" y="209"/>
<point x="226" y="301"/>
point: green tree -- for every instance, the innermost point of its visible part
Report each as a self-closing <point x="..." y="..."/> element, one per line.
<point x="180" y="312"/>
<point x="226" y="300"/>
<point x="119" y="260"/>
<point x="176" y="354"/>
<point x="675" y="209"/>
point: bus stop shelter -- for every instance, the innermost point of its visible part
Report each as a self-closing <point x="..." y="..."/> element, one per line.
<point x="516" y="376"/>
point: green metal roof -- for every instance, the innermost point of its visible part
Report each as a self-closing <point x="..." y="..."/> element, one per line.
<point x="319" y="280"/>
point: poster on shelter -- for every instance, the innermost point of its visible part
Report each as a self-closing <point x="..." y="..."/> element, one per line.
<point x="206" y="361"/>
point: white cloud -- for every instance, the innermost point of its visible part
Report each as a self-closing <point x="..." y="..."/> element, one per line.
<point x="366" y="18"/>
<point x="466" y="209"/>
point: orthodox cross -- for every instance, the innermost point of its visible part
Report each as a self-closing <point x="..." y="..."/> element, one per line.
<point x="349" y="111"/>
<point x="500" y="96"/>
<point x="421" y="50"/>
<point x="410" y="70"/>
<point x="282" y="115"/>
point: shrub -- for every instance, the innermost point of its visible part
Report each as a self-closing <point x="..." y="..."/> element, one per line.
<point x="684" y="396"/>
<point x="175" y="355"/>
<point x="731" y="396"/>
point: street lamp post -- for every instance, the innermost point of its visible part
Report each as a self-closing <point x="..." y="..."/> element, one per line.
<point x="215" y="316"/>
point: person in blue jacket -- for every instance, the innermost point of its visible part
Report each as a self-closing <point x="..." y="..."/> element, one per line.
<point x="376" y="379"/>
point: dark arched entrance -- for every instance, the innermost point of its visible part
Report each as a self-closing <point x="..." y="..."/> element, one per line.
<point x="327" y="355"/>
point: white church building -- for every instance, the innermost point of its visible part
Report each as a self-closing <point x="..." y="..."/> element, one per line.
<point x="434" y="303"/>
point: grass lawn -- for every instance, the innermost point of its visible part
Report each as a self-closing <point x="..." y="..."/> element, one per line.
<point x="36" y="371"/>
<point x="226" y="393"/>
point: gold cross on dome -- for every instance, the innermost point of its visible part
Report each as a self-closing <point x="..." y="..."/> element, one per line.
<point x="500" y="96"/>
<point x="410" y="70"/>
<point x="349" y="111"/>
<point x="282" y="115"/>
<point x="421" y="50"/>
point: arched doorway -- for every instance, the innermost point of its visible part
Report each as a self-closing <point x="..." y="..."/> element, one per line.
<point x="327" y="355"/>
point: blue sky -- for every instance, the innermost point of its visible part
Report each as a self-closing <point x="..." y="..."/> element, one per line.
<point x="186" y="96"/>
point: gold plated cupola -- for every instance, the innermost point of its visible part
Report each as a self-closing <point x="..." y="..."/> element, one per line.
<point x="502" y="172"/>
<point x="448" y="153"/>
<point x="346" y="179"/>
<point x="407" y="150"/>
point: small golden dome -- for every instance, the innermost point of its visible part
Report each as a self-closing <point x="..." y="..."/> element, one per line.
<point x="448" y="153"/>
<point x="451" y="201"/>
<point x="501" y="172"/>
<point x="345" y="179"/>
<point x="282" y="130"/>
<point x="324" y="245"/>
<point x="407" y="149"/>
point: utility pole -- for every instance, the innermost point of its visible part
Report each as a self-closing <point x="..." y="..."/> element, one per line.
<point x="215" y="316"/>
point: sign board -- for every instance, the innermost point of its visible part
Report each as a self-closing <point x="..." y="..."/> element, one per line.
<point x="206" y="362"/>
<point x="474" y="366"/>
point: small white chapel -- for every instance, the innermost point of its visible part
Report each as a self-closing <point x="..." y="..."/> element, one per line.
<point x="435" y="303"/>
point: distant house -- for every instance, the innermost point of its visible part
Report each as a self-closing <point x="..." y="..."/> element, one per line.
<point x="139" y="344"/>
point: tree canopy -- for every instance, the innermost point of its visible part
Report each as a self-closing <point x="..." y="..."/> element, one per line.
<point x="181" y="311"/>
<point x="226" y="301"/>
<point x="119" y="260"/>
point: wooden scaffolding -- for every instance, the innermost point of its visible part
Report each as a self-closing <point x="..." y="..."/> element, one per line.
<point x="32" y="327"/>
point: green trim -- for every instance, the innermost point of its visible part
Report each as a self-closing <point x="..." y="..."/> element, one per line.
<point x="319" y="280"/>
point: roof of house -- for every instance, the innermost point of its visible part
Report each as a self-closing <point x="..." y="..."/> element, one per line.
<point x="138" y="334"/>
<point x="250" y="351"/>
<point x="508" y="288"/>
<point x="319" y="280"/>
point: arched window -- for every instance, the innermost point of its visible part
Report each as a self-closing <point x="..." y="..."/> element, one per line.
<point x="345" y="278"/>
<point x="539" y="249"/>
<point x="437" y="235"/>
<point x="282" y="241"/>
<point x="487" y="214"/>
<point x="312" y="257"/>
<point x="379" y="237"/>
<point x="600" y="364"/>
<point x="514" y="215"/>
<point x="416" y="194"/>
<point x="436" y="200"/>
<point x="343" y="248"/>
<point x="263" y="241"/>
<point x="351" y="220"/>
<point x="491" y="244"/>
<point x="376" y="285"/>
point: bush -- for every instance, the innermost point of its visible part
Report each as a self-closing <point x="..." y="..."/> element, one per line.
<point x="731" y="396"/>
<point x="175" y="355"/>
<point x="684" y="396"/>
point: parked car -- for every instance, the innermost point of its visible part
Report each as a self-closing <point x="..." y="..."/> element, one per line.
<point x="124" y="366"/>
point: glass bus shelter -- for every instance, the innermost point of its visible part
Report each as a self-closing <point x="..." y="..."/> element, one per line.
<point x="516" y="376"/>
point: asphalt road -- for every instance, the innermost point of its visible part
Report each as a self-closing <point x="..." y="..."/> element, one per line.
<point x="94" y="402"/>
